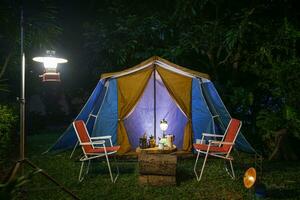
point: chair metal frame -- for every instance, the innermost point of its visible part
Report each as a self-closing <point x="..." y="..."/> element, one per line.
<point x="224" y="155"/>
<point x="96" y="143"/>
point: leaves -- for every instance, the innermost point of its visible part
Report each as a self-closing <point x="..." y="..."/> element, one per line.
<point x="8" y="120"/>
<point x="41" y="31"/>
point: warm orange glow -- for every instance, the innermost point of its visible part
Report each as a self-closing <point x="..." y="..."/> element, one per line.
<point x="249" y="177"/>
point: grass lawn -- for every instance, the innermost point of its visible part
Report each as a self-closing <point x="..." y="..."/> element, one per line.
<point x="280" y="178"/>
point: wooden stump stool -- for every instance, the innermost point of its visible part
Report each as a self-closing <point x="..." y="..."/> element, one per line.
<point x="157" y="169"/>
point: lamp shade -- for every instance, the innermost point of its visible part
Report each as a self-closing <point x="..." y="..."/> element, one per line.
<point x="249" y="177"/>
<point x="163" y="125"/>
<point x="50" y="61"/>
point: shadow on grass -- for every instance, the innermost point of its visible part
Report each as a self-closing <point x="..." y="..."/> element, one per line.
<point x="277" y="166"/>
<point x="283" y="193"/>
<point x="101" y="167"/>
<point x="183" y="175"/>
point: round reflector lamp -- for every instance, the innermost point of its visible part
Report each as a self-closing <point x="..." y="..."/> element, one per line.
<point x="250" y="177"/>
<point x="50" y="64"/>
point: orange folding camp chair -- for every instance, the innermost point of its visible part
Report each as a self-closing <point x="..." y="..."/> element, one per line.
<point x="218" y="148"/>
<point x="93" y="147"/>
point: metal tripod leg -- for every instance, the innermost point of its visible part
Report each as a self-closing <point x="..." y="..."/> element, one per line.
<point x="39" y="170"/>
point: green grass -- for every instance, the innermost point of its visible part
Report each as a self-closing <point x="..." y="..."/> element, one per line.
<point x="280" y="178"/>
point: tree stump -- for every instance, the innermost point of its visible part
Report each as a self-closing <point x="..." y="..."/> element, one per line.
<point x="157" y="169"/>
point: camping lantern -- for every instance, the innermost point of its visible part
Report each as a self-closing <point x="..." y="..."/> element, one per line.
<point x="50" y="63"/>
<point x="163" y="126"/>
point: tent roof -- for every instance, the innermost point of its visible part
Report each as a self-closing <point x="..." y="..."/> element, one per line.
<point x="155" y="60"/>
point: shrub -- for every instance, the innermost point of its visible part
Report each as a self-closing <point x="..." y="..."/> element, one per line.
<point x="8" y="121"/>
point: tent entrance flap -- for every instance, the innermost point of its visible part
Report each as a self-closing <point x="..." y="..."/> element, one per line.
<point x="141" y="120"/>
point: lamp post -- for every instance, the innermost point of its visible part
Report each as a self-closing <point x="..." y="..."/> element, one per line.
<point x="49" y="63"/>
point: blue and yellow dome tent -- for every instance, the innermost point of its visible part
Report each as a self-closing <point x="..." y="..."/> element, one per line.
<point x="130" y="103"/>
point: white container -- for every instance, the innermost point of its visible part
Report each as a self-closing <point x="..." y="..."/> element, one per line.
<point x="161" y="146"/>
<point x="170" y="140"/>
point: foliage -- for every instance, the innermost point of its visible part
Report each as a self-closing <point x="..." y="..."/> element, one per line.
<point x="41" y="30"/>
<point x="11" y="189"/>
<point x="250" y="51"/>
<point x="8" y="121"/>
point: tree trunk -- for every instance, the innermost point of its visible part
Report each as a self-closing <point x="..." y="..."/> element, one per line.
<point x="285" y="148"/>
<point x="3" y="69"/>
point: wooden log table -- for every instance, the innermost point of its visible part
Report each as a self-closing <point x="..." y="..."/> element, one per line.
<point x="156" y="150"/>
<point x="157" y="169"/>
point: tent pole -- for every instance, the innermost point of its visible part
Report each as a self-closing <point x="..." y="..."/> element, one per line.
<point x="154" y="100"/>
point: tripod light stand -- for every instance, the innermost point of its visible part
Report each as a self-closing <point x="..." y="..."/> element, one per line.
<point x="49" y="62"/>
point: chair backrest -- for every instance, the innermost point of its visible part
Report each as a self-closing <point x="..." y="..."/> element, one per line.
<point x="232" y="131"/>
<point x="82" y="135"/>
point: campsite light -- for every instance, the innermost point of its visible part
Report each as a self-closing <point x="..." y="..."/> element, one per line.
<point x="249" y="177"/>
<point x="250" y="180"/>
<point x="163" y="126"/>
<point x="50" y="63"/>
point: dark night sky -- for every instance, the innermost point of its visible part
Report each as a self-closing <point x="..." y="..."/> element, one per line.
<point x="71" y="17"/>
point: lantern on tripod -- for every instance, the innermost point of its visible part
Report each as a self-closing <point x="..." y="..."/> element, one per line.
<point x="50" y="64"/>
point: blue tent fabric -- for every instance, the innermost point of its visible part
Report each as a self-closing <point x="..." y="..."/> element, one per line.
<point x="201" y="117"/>
<point x="216" y="104"/>
<point x="68" y="139"/>
<point x="107" y="118"/>
<point x="93" y="115"/>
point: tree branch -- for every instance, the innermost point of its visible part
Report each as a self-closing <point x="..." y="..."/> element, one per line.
<point x="5" y="65"/>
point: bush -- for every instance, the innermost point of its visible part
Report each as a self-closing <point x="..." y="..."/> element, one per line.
<point x="8" y="121"/>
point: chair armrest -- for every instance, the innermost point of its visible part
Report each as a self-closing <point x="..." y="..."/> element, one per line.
<point x="101" y="137"/>
<point x="92" y="143"/>
<point x="220" y="142"/>
<point x="99" y="142"/>
<point x="106" y="137"/>
<point x="211" y="135"/>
